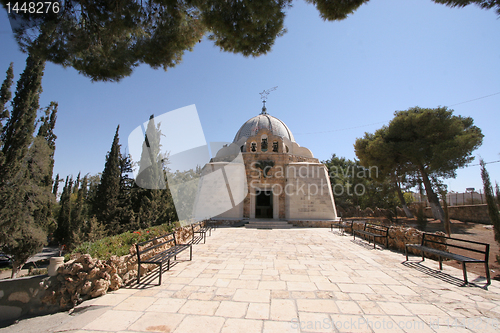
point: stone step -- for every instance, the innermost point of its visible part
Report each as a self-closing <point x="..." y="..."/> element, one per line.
<point x="269" y="224"/>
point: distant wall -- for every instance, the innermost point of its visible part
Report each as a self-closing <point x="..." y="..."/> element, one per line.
<point x="467" y="213"/>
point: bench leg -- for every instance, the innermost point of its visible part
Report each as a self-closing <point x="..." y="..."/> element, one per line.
<point x="373" y="242"/>
<point x="161" y="266"/>
<point x="204" y="237"/>
<point x="190" y="252"/>
<point x="440" y="263"/>
<point x="406" y="253"/>
<point x="138" y="273"/>
<point x="465" y="273"/>
<point x="487" y="273"/>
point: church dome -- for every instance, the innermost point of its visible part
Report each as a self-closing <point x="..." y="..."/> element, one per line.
<point x="264" y="121"/>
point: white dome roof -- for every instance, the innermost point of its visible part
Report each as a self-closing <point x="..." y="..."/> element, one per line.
<point x="264" y="120"/>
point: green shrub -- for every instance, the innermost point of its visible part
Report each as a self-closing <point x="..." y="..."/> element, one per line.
<point x="119" y="245"/>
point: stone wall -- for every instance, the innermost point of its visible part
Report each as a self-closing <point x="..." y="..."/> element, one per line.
<point x="22" y="297"/>
<point x="466" y="213"/>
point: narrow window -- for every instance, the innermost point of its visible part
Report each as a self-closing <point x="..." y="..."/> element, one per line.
<point x="263" y="145"/>
<point x="275" y="146"/>
<point x="254" y="147"/>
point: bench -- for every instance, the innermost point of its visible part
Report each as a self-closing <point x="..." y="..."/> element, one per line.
<point x="201" y="229"/>
<point x="163" y="256"/>
<point x="342" y="225"/>
<point x="373" y="231"/>
<point x="428" y="239"/>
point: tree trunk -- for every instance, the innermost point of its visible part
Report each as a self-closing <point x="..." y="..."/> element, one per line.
<point x="16" y="268"/>
<point x="403" y="201"/>
<point x="437" y="211"/>
<point x="447" y="225"/>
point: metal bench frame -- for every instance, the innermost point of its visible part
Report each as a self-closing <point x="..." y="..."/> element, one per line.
<point x="163" y="256"/>
<point x="453" y="256"/>
<point x="202" y="230"/>
<point x="382" y="229"/>
<point x="342" y="225"/>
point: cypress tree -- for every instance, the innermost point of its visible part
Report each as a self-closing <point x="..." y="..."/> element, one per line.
<point x="151" y="198"/>
<point x="108" y="191"/>
<point x="490" y="200"/>
<point x="497" y="194"/>
<point x="6" y="95"/>
<point x="46" y="131"/>
<point x="79" y="211"/>
<point x="19" y="130"/>
<point x="22" y="164"/>
<point x="64" y="223"/>
<point x="55" y="188"/>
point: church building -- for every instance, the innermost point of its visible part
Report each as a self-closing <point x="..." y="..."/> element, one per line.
<point x="265" y="174"/>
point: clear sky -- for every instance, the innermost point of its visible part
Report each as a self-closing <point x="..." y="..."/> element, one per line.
<point x="336" y="81"/>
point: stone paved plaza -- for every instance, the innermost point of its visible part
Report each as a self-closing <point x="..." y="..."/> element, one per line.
<point x="293" y="280"/>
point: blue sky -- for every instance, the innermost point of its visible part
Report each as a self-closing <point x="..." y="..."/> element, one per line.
<point x="336" y="80"/>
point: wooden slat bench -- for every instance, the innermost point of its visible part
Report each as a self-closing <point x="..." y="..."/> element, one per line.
<point x="373" y="231"/>
<point x="201" y="229"/>
<point x="428" y="239"/>
<point x="163" y="256"/>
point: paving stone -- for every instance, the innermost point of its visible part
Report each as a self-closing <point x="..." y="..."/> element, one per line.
<point x="242" y="326"/>
<point x="114" y="320"/>
<point x="283" y="309"/>
<point x="166" y="305"/>
<point x="231" y="309"/>
<point x="197" y="324"/>
<point x="314" y="322"/>
<point x="135" y="303"/>
<point x="249" y="295"/>
<point x="157" y="322"/>
<point x="199" y="307"/>
<point x="317" y="305"/>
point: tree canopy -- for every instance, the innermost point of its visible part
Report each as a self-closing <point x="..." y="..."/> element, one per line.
<point x="430" y="142"/>
<point x="106" y="40"/>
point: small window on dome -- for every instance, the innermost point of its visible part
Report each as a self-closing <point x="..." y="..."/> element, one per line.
<point x="254" y="147"/>
<point x="275" y="146"/>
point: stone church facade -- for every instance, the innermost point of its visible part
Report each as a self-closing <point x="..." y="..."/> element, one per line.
<point x="278" y="179"/>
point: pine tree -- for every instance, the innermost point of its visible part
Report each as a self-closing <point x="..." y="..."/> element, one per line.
<point x="490" y="200"/>
<point x="108" y="192"/>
